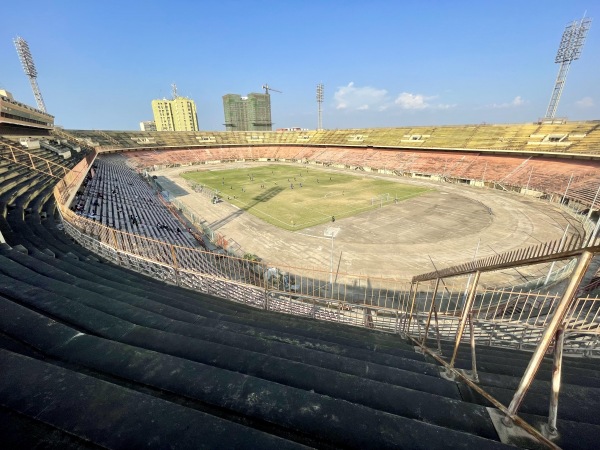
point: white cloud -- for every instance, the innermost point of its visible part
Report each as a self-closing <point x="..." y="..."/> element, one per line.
<point x="516" y="102"/>
<point x="406" y="100"/>
<point x="367" y="98"/>
<point x="351" y="97"/>
<point x="585" y="102"/>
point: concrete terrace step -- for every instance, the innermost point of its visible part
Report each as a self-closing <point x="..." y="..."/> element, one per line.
<point x="257" y="360"/>
<point x="510" y="362"/>
<point x="239" y="393"/>
<point x="199" y="306"/>
<point x="94" y="355"/>
<point x="285" y="345"/>
<point x="121" y="417"/>
<point x="22" y="432"/>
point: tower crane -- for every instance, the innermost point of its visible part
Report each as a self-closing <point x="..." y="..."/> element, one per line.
<point x="267" y="89"/>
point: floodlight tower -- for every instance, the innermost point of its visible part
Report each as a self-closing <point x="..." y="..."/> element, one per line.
<point x="320" y="103"/>
<point x="29" y="67"/>
<point x="568" y="51"/>
<point x="174" y="91"/>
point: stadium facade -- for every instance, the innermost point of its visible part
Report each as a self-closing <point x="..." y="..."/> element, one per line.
<point x="17" y="114"/>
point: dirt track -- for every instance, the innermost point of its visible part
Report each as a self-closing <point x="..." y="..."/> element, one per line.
<point x="397" y="241"/>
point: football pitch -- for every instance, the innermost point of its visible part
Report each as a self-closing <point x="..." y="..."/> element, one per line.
<point x="297" y="197"/>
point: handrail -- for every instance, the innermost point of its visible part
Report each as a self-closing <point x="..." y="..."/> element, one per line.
<point x="350" y="289"/>
<point x="253" y="283"/>
<point x="34" y="162"/>
<point x="542" y="253"/>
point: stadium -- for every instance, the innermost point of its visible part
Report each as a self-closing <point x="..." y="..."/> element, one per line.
<point x="99" y="317"/>
<point x="412" y="287"/>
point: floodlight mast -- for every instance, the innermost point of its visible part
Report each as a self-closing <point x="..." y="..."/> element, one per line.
<point x="320" y="103"/>
<point x="569" y="50"/>
<point x="29" y="68"/>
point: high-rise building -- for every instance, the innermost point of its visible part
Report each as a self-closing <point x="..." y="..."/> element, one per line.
<point x="148" y="125"/>
<point x="251" y="113"/>
<point x="178" y="114"/>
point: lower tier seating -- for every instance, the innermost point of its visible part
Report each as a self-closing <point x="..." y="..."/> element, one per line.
<point x="96" y="356"/>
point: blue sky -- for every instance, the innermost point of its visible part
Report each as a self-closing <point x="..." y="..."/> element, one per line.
<point x="383" y="63"/>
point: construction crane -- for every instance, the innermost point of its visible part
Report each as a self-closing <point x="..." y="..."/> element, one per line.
<point x="267" y="89"/>
<point x="29" y="68"/>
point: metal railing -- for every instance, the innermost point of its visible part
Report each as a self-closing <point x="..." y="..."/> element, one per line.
<point x="502" y="316"/>
<point x="392" y="304"/>
<point x="567" y="321"/>
<point x="521" y="256"/>
<point x="434" y="307"/>
<point x="24" y="158"/>
<point x="178" y="260"/>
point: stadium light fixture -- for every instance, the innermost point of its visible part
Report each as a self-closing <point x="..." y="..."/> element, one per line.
<point x="29" y="68"/>
<point x="320" y="103"/>
<point x="569" y="50"/>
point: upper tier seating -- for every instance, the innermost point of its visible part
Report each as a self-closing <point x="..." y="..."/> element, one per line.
<point x="569" y="138"/>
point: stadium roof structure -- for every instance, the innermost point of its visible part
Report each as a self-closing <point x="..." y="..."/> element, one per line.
<point x="97" y="351"/>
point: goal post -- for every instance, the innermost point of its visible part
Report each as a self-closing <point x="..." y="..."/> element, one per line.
<point x="380" y="199"/>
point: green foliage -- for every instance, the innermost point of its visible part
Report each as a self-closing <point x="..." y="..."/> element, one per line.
<point x="296" y="197"/>
<point x="251" y="257"/>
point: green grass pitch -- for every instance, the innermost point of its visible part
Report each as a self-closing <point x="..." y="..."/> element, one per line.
<point x="296" y="197"/>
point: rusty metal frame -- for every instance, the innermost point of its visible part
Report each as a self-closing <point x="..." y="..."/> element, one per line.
<point x="550" y="331"/>
<point x="473" y="349"/>
<point x="554" y="331"/>
<point x="559" y="340"/>
<point x="465" y="316"/>
<point x="497" y="404"/>
<point x="432" y="308"/>
<point x="545" y="252"/>
<point x="17" y="151"/>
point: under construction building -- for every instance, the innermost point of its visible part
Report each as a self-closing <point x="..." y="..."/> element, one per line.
<point x="251" y="113"/>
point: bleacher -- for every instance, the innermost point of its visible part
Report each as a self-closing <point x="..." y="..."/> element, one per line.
<point x="537" y="175"/>
<point x="569" y="137"/>
<point x="95" y="355"/>
<point x="117" y="197"/>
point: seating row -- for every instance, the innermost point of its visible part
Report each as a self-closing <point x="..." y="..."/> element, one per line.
<point x="580" y="179"/>
<point x="97" y="356"/>
<point x="568" y="137"/>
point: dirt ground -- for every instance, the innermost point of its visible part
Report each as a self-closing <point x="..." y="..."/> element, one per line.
<point x="444" y="227"/>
